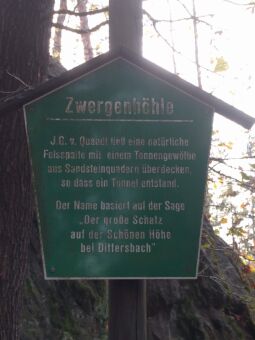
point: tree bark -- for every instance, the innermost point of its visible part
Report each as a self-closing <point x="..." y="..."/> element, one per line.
<point x="84" y="25"/>
<point x="24" y="41"/>
<point x="56" y="51"/>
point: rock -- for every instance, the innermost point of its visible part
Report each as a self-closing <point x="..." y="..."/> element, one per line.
<point x="70" y="310"/>
<point x="218" y="305"/>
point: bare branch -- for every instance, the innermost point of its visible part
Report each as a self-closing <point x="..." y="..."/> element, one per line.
<point x="152" y="18"/>
<point x="18" y="79"/>
<point x="8" y="92"/>
<point x="154" y="23"/>
<point x="185" y="7"/>
<point x="224" y="162"/>
<point x="13" y="94"/>
<point x="219" y="159"/>
<point x="243" y="185"/>
<point x="172" y="40"/>
<point x="80" y="31"/>
<point x="81" y="14"/>
<point x="238" y="4"/>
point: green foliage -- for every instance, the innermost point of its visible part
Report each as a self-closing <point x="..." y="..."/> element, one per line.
<point x="245" y="176"/>
<point x="231" y="198"/>
<point x="221" y="65"/>
<point x="234" y="231"/>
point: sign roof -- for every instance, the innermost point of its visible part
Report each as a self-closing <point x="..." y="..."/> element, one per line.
<point x="219" y="106"/>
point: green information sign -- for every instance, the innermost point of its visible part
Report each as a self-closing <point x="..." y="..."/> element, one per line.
<point x="119" y="158"/>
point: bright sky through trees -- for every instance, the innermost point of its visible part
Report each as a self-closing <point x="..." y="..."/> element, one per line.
<point x="203" y="41"/>
<point x="224" y="33"/>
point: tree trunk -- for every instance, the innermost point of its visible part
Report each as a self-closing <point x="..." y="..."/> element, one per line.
<point x="56" y="51"/>
<point x="195" y="27"/>
<point x="24" y="41"/>
<point x="84" y="25"/>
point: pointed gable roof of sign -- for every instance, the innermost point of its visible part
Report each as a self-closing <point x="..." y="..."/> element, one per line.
<point x="217" y="104"/>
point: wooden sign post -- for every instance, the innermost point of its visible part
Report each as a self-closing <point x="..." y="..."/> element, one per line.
<point x="127" y="309"/>
<point x="127" y="299"/>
